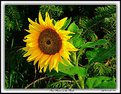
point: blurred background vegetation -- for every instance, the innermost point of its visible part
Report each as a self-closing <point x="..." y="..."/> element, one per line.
<point x="95" y="21"/>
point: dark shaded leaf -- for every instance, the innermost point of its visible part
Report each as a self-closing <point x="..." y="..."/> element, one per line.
<point x="103" y="54"/>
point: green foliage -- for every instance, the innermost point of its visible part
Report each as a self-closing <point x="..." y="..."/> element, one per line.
<point x="13" y="22"/>
<point x="103" y="54"/>
<point x="72" y="70"/>
<point x="99" y="69"/>
<point x="61" y="84"/>
<point x="16" y="72"/>
<point x="73" y="27"/>
<point x="103" y="24"/>
<point x="93" y="44"/>
<point x="100" y="54"/>
<point x="101" y="82"/>
<point x="54" y="10"/>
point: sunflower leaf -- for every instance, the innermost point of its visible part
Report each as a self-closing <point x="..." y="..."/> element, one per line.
<point x="67" y="69"/>
<point x="77" y="41"/>
<point x="93" y="44"/>
<point x="73" y="27"/>
<point x="72" y="70"/>
<point x="81" y="71"/>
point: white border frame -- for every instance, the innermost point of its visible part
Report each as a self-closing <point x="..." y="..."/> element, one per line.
<point x="3" y="3"/>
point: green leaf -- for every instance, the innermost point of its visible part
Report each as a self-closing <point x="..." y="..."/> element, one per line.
<point x="54" y="21"/>
<point x="100" y="81"/>
<point x="81" y="71"/>
<point x="93" y="44"/>
<point x="101" y="42"/>
<point x="77" y="41"/>
<point x="108" y="84"/>
<point x="104" y="54"/>
<point x="91" y="54"/>
<point x="73" y="27"/>
<point x="66" y="23"/>
<point x="80" y="31"/>
<point x="90" y="82"/>
<point x="72" y="70"/>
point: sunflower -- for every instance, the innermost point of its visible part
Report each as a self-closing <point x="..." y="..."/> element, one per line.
<point x="47" y="44"/>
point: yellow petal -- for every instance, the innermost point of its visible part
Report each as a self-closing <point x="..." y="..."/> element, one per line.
<point x="56" y="67"/>
<point x="41" y="21"/>
<point x="53" y="61"/>
<point x="34" y="30"/>
<point x="46" y="63"/>
<point x="60" y="23"/>
<point x="70" y="47"/>
<point x="48" y="60"/>
<point x="64" y="53"/>
<point x="51" y="64"/>
<point x="45" y="68"/>
<point x="68" y="61"/>
<point x="35" y="25"/>
<point x="65" y="32"/>
<point x="32" y="44"/>
<point x="64" y="37"/>
<point x="33" y="55"/>
<point x="42" y="60"/>
<point x="48" y="20"/>
<point x="27" y="54"/>
<point x="38" y="58"/>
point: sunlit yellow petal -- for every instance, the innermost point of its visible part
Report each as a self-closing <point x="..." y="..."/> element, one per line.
<point x="56" y="58"/>
<point x="38" y="58"/>
<point x="27" y="54"/>
<point x="56" y="67"/>
<point x="70" y="47"/>
<point x="33" y="56"/>
<point x="41" y="21"/>
<point x="60" y="23"/>
<point x="48" y="20"/>
<point x="35" y="25"/>
<point x="46" y="63"/>
<point x="45" y="68"/>
<point x="65" y="32"/>
<point x="51" y="64"/>
<point x="42" y="60"/>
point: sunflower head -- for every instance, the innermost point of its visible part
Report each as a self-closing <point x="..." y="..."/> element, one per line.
<point x="47" y="44"/>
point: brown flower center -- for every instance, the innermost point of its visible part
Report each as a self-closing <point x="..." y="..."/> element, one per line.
<point x="50" y="42"/>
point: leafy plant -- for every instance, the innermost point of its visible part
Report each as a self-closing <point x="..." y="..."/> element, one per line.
<point x="101" y="82"/>
<point x="54" y="10"/>
<point x="13" y="22"/>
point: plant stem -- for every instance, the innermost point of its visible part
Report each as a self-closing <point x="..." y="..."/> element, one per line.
<point x="80" y="53"/>
<point x="75" y="61"/>
<point x="81" y="81"/>
<point x="76" y="82"/>
<point x="35" y="82"/>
